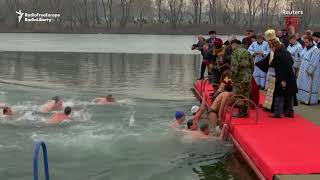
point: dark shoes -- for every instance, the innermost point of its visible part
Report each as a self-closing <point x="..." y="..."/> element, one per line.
<point x="289" y="115"/>
<point x="240" y="115"/>
<point x="275" y="116"/>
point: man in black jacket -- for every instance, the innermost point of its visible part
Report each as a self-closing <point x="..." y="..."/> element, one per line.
<point x="286" y="86"/>
<point x="316" y="38"/>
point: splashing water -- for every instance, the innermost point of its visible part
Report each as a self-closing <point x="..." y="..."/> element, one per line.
<point x="132" y="120"/>
<point x="126" y="102"/>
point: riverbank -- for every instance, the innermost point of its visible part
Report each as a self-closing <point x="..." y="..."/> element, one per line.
<point x="151" y="29"/>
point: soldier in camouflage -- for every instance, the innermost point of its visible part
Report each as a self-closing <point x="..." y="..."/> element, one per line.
<point x="241" y="75"/>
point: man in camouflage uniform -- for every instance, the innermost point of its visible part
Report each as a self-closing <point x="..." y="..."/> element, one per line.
<point x="241" y="75"/>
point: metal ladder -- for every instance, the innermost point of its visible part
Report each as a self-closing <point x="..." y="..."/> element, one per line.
<point x="37" y="147"/>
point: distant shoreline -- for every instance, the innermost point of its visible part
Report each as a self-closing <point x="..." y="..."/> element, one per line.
<point x="149" y="29"/>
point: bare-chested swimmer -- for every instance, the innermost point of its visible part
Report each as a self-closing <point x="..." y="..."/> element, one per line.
<point x="203" y="132"/>
<point x="180" y="118"/>
<point x="53" y="105"/>
<point x="6" y="110"/>
<point x="105" y="100"/>
<point x="60" y="116"/>
<point x="196" y="115"/>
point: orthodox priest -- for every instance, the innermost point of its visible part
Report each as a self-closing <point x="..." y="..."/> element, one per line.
<point x="285" y="86"/>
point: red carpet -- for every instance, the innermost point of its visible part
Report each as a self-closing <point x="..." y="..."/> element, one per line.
<point x="276" y="146"/>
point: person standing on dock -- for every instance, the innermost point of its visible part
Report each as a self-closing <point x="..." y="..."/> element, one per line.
<point x="285" y="84"/>
<point x="247" y="41"/>
<point x="200" y="46"/>
<point x="241" y="75"/>
<point x="309" y="73"/>
<point x="295" y="49"/>
<point x="316" y="39"/>
<point x="259" y="50"/>
<point x="213" y="38"/>
<point x="283" y="37"/>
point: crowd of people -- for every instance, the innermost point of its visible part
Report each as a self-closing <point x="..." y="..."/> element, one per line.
<point x="242" y="68"/>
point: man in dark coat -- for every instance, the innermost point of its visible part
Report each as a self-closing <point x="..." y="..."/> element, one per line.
<point x="213" y="39"/>
<point x="247" y="41"/>
<point x="316" y="39"/>
<point x="283" y="37"/>
<point x="202" y="46"/>
<point x="285" y="85"/>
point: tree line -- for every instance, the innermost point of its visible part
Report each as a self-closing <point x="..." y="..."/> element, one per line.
<point x="122" y="13"/>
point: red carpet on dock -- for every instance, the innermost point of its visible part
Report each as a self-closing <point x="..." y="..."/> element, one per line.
<point x="283" y="146"/>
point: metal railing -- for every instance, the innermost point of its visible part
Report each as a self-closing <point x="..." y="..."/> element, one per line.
<point x="37" y="147"/>
<point x="249" y="102"/>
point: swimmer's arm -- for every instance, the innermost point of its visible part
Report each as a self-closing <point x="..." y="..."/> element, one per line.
<point x="2" y="105"/>
<point x="223" y="133"/>
<point x="199" y="114"/>
<point x="52" y="121"/>
<point x="97" y="99"/>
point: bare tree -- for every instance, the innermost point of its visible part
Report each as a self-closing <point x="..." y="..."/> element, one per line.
<point x="212" y="11"/>
<point x="237" y="6"/>
<point x="252" y="10"/>
<point x="109" y="6"/>
<point x="197" y="6"/>
<point x="86" y="19"/>
<point x="159" y="4"/>
<point x="96" y="11"/>
<point x="175" y="7"/>
<point x="125" y="9"/>
<point x="104" y="11"/>
<point x="225" y="16"/>
<point x="306" y="6"/>
<point x="12" y="6"/>
<point x="247" y="13"/>
<point x="141" y="9"/>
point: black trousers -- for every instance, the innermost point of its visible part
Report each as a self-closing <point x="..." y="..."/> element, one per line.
<point x="203" y="69"/>
<point x="283" y="104"/>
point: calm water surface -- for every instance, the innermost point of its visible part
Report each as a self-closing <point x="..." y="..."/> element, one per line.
<point x="130" y="139"/>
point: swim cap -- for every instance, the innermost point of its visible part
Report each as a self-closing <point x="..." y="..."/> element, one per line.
<point x="195" y="109"/>
<point x="179" y="114"/>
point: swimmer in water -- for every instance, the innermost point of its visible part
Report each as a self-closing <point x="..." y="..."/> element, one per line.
<point x="197" y="111"/>
<point x="54" y="104"/>
<point x="180" y="118"/>
<point x="7" y="111"/>
<point x="105" y="100"/>
<point x="60" y="117"/>
<point x="192" y="125"/>
<point x="205" y="132"/>
<point x="192" y="128"/>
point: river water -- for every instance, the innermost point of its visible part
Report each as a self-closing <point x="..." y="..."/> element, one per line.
<point x="130" y="139"/>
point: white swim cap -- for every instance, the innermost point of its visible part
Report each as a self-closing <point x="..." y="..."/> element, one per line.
<point x="195" y="109"/>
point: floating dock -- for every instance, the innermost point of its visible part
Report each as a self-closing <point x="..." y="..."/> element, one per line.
<point x="276" y="149"/>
